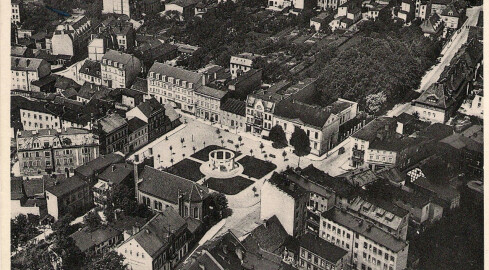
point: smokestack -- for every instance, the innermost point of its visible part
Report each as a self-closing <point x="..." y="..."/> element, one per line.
<point x="136" y="179"/>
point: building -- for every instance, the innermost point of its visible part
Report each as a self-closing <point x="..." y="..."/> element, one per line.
<point x="92" y="169"/>
<point x="48" y="151"/>
<point x="438" y="6"/>
<point x="443" y="195"/>
<point x="132" y="8"/>
<point x="111" y="177"/>
<point x="138" y="134"/>
<point x="407" y="11"/>
<point x="71" y="37"/>
<point x="233" y="114"/>
<point x="173" y="85"/>
<point x="330" y="4"/>
<point x="21" y="204"/>
<point x="67" y="196"/>
<point x="321" y="21"/>
<point x="244" y="62"/>
<point x="160" y="190"/>
<point x="186" y="8"/>
<point x="317" y="253"/>
<point x="245" y="84"/>
<point x="152" y="50"/>
<point x="91" y="72"/>
<point x="26" y="70"/>
<point x="380" y="128"/>
<point x="156" y="116"/>
<point x="132" y="98"/>
<point x="368" y="246"/>
<point x="423" y="9"/>
<point x="97" y="48"/>
<point x="112" y="132"/>
<point x="17" y="10"/>
<point x="98" y="241"/>
<point x="279" y="5"/>
<point x="208" y="103"/>
<point x="433" y="26"/>
<point x="119" y="70"/>
<point x="450" y="17"/>
<point x="287" y="201"/>
<point x="160" y="243"/>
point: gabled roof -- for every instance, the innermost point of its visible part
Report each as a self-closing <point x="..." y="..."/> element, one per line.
<point x="86" y="239"/>
<point x="450" y="9"/>
<point x="322" y="248"/>
<point x="269" y="236"/>
<point x="66" y="186"/>
<point x="234" y="106"/>
<point x="210" y="92"/>
<point x="435" y="96"/>
<point x="429" y="25"/>
<point x="25" y="64"/>
<point x="177" y="73"/>
<point x="111" y="122"/>
<point x="297" y="111"/>
<point x="149" y="107"/>
<point x="140" y="84"/>
<point x="134" y="124"/>
<point x="88" y="169"/>
<point x="116" y="173"/>
<point x="91" y="68"/>
<point x="369" y="131"/>
<point x="171" y="113"/>
<point x="65" y="83"/>
<point x="34" y="186"/>
<point x="120" y="57"/>
<point x="156" y="234"/>
<point x="168" y="187"/>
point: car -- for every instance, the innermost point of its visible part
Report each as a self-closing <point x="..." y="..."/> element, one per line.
<point x="272" y="155"/>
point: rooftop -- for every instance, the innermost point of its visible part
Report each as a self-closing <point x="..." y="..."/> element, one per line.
<point x="26" y="64"/>
<point x="86" y="239"/>
<point x="88" y="169"/>
<point x="91" y="68"/>
<point x="322" y="248"/>
<point x="116" y="173"/>
<point x="369" y="131"/>
<point x="269" y="236"/>
<point x="364" y="228"/>
<point x="234" y="106"/>
<point x="150" y="106"/>
<point x="134" y="124"/>
<point x="141" y="85"/>
<point x="211" y="92"/>
<point x="177" y="73"/>
<point x="167" y="186"/>
<point x="303" y="113"/>
<point x="66" y="186"/>
<point x="156" y="234"/>
<point x="285" y="185"/>
<point x="444" y="192"/>
<point x="111" y="123"/>
<point x="120" y="57"/>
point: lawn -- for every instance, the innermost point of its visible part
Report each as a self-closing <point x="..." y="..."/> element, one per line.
<point x="203" y="154"/>
<point x="188" y="169"/>
<point x="229" y="186"/>
<point x="256" y="168"/>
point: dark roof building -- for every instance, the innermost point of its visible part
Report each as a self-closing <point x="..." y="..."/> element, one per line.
<point x="234" y="106"/>
<point x="322" y="248"/>
<point x="98" y="240"/>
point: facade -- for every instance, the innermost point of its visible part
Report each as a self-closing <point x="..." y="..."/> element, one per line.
<point x="185" y="7"/>
<point x="49" y="151"/>
<point x="91" y="72"/>
<point x="138" y="134"/>
<point x="285" y="200"/>
<point x="243" y="62"/>
<point x="233" y="114"/>
<point x="132" y="8"/>
<point x="97" y="48"/>
<point x="114" y="175"/>
<point x="173" y="85"/>
<point x="26" y="70"/>
<point x="160" y="190"/>
<point x="71" y="194"/>
<point x="98" y="241"/>
<point x="368" y="246"/>
<point x="321" y="21"/>
<point x="159" y="244"/>
<point x="422" y="9"/>
<point x="317" y="253"/>
<point x="92" y="169"/>
<point x="112" y="133"/>
<point x="208" y="103"/>
<point x="119" y="70"/>
<point x="407" y="11"/>
<point x="17" y="8"/>
<point x="450" y="17"/>
<point x="433" y="26"/>
<point x="71" y="36"/>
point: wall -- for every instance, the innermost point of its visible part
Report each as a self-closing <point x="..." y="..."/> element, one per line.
<point x="276" y="202"/>
<point x="52" y="204"/>
<point x="430" y="114"/>
<point x="17" y="209"/>
<point x="133" y="261"/>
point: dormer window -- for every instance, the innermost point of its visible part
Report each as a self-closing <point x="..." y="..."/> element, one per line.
<point x="163" y="78"/>
<point x="190" y="85"/>
<point x="450" y="13"/>
<point x="151" y="74"/>
<point x="177" y="81"/>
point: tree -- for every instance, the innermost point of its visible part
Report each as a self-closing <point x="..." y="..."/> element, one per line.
<point x="182" y="140"/>
<point x="71" y="256"/>
<point x="193" y="148"/>
<point x="284" y="154"/>
<point x="22" y="229"/>
<point x="171" y="150"/>
<point x="240" y="139"/>
<point x="300" y="141"/>
<point x="108" y="261"/>
<point x="92" y="220"/>
<point x="277" y="136"/>
<point x="251" y="152"/>
<point x="375" y="102"/>
<point x="222" y="143"/>
<point x="261" y="147"/>
<point x="219" y="204"/>
<point x="236" y="146"/>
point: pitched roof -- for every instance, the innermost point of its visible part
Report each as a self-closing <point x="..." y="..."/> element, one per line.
<point x="339" y="186"/>
<point x="86" y="239"/>
<point x="134" y="124"/>
<point x="88" y="169"/>
<point x="168" y="186"/>
<point x="66" y="83"/>
<point x="111" y="122"/>
<point x="150" y="106"/>
<point x="184" y="3"/>
<point x="120" y="57"/>
<point x="66" y="186"/>
<point x="211" y="92"/>
<point x="171" y="113"/>
<point x="91" y="68"/>
<point x="178" y="73"/>
<point x="450" y="9"/>
<point x="25" y="64"/>
<point x="322" y="248"/>
<point x="444" y="192"/>
<point x="369" y="131"/>
<point x="16" y="189"/>
<point x="116" y="173"/>
<point x="34" y="186"/>
<point x="234" y="106"/>
<point x="285" y="185"/>
<point x="429" y="25"/>
<point x="156" y="234"/>
<point x="140" y="84"/>
<point x="304" y="113"/>
<point x="365" y="228"/>
<point x="269" y="236"/>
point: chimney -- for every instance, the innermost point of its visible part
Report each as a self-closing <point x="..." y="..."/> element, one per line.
<point x="136" y="179"/>
<point x="113" y="168"/>
<point x="202" y="266"/>
<point x="28" y="62"/>
<point x="135" y="229"/>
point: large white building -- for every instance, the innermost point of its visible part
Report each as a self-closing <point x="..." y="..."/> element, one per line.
<point x="119" y="70"/>
<point x="117" y="7"/>
<point x="368" y="246"/>
<point x="16" y="11"/>
<point x="71" y="36"/>
<point x="243" y="62"/>
<point x="26" y="70"/>
<point x="173" y="85"/>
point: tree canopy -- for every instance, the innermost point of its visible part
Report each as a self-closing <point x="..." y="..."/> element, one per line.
<point x="300" y="141"/>
<point x="277" y="136"/>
